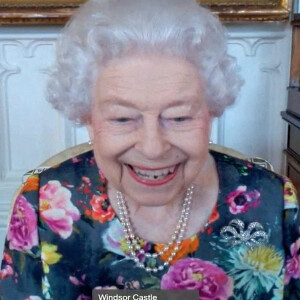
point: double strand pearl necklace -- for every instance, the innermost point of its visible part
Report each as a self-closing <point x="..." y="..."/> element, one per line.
<point x="133" y="241"/>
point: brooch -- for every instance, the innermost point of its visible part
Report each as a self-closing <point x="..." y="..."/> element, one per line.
<point x="235" y="234"/>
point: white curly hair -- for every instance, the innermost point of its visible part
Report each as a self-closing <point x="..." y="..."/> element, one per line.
<point x="102" y="30"/>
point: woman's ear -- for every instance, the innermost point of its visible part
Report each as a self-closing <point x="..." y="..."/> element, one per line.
<point x="90" y="130"/>
<point x="210" y="121"/>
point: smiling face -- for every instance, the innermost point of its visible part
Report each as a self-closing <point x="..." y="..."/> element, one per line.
<point x="150" y="126"/>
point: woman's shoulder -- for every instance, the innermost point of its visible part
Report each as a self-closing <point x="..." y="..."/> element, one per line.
<point x="77" y="180"/>
<point x="238" y="175"/>
<point x="82" y="160"/>
<point x="71" y="171"/>
<point x="245" y="168"/>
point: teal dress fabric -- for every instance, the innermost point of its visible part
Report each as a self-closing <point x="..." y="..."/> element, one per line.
<point x="64" y="239"/>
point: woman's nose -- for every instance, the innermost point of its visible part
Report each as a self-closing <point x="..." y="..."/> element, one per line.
<point x="152" y="141"/>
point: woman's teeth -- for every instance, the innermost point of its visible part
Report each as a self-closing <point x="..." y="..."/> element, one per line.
<point x="153" y="175"/>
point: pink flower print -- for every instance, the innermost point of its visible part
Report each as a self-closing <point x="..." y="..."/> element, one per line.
<point x="77" y="281"/>
<point x="83" y="297"/>
<point x="85" y="186"/>
<point x="103" y="179"/>
<point x="76" y="160"/>
<point x="289" y="194"/>
<point x="57" y="210"/>
<point x="240" y="201"/>
<point x="6" y="272"/>
<point x="293" y="263"/>
<point x="114" y="240"/>
<point x="196" y="274"/>
<point x="110" y="287"/>
<point x="128" y="285"/>
<point x="7" y="269"/>
<point x="22" y="232"/>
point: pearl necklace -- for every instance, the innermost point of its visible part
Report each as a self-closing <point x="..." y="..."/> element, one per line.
<point x="132" y="240"/>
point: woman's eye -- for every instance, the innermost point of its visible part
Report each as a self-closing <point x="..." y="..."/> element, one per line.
<point x="180" y="119"/>
<point x="122" y="120"/>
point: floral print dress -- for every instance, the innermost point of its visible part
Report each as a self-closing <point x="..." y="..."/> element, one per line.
<point x="64" y="239"/>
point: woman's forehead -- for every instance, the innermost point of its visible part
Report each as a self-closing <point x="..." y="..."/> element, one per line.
<point x="149" y="76"/>
<point x="154" y="60"/>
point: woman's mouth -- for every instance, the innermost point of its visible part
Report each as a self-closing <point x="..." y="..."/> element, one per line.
<point x="148" y="176"/>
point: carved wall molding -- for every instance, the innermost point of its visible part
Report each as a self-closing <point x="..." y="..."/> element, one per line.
<point x="263" y="56"/>
<point x="21" y="52"/>
<point x="252" y="37"/>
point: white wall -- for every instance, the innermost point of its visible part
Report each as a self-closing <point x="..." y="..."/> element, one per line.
<point x="31" y="131"/>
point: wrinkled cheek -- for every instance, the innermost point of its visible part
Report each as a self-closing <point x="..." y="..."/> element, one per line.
<point x="195" y="164"/>
<point x="100" y="129"/>
<point x="117" y="171"/>
<point x="191" y="170"/>
<point x="111" y="168"/>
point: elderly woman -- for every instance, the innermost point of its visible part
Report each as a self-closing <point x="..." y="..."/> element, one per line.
<point x="150" y="207"/>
